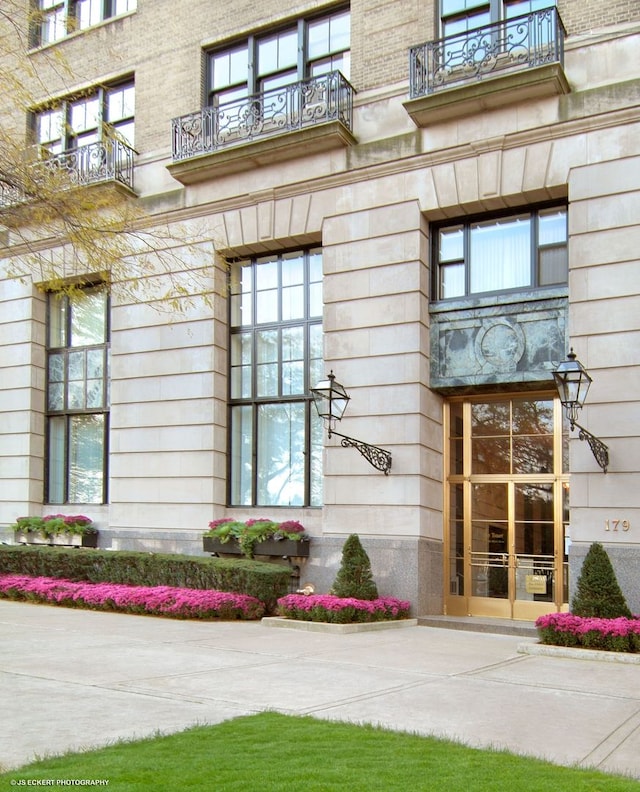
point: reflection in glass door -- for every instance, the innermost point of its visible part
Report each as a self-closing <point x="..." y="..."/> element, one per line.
<point x="505" y="505"/>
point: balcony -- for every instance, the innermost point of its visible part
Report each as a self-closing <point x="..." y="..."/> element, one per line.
<point x="108" y="161"/>
<point x="492" y="66"/>
<point x="309" y="116"/>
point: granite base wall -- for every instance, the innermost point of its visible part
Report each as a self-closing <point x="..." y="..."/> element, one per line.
<point x="625" y="559"/>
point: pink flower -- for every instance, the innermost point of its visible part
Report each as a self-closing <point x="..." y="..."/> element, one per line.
<point x="329" y="608"/>
<point x="157" y="600"/>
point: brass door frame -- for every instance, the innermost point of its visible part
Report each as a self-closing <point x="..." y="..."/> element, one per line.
<point x="466" y="604"/>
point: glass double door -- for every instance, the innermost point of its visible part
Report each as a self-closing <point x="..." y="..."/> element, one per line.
<point x="506" y="509"/>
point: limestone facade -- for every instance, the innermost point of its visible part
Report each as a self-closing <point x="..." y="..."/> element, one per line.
<point x="371" y="205"/>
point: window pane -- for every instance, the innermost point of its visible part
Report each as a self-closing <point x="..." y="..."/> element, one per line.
<point x="122" y="6"/>
<point x="267" y="363"/>
<point x="88" y="318"/>
<point x="316" y="362"/>
<point x="456" y="6"/>
<point x="95" y="378"/>
<point x="453" y="27"/>
<point x="49" y="126"/>
<point x="452" y="281"/>
<point x="57" y="320"/>
<point x="456" y="540"/>
<point x="455" y="439"/>
<point x="241" y="455"/>
<point x="518" y="7"/>
<point x="292" y="361"/>
<point x="318" y="39"/>
<point x="500" y="254"/>
<point x="490" y="437"/>
<point x="52" y="25"/>
<point x="55" y="460"/>
<point x="267" y="306"/>
<point x="330" y="34"/>
<point x="241" y="294"/>
<point x="55" y="396"/>
<point x="553" y="266"/>
<point x="281" y="455"/>
<point x="229" y="68"/>
<point x="120" y="103"/>
<point x="86" y="459"/>
<point x="88" y="12"/>
<point x="552" y="227"/>
<point x="241" y="361"/>
<point x="84" y="115"/>
<point x="317" y="439"/>
<point x="315" y="283"/>
<point x="533" y="436"/>
<point x="451" y="244"/>
<point x="278" y="52"/>
<point x="75" y="384"/>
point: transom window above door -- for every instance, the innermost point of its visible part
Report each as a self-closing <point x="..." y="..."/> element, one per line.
<point x="518" y="251"/>
<point x="306" y="48"/>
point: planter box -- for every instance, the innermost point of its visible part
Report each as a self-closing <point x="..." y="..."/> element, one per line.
<point x="270" y="547"/>
<point x="60" y="540"/>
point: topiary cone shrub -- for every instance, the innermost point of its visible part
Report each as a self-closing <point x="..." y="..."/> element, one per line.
<point x="354" y="579"/>
<point x="598" y="593"/>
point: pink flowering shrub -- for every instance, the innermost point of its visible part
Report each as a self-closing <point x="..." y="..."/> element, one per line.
<point x="337" y="610"/>
<point x="611" y="635"/>
<point x="177" y="603"/>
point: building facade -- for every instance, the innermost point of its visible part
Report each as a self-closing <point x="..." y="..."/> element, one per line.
<point x="433" y="200"/>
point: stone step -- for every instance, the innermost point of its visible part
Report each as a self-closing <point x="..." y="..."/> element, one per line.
<point x="480" y="624"/>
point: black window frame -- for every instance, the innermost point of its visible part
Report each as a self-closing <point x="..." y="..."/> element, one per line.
<point x="67" y="140"/>
<point x="467" y="221"/>
<point x="254" y="77"/>
<point x="67" y="412"/>
<point x="497" y="10"/>
<point x="312" y="368"/>
<point x="70" y="21"/>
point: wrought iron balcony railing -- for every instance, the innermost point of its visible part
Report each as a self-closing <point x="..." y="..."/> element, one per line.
<point x="525" y="41"/>
<point x="308" y="103"/>
<point x="106" y="160"/>
<point x="102" y="161"/>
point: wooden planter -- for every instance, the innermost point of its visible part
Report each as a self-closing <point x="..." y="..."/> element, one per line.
<point x="288" y="548"/>
<point x="59" y="540"/>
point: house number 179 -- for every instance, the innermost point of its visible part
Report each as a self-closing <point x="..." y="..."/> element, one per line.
<point x="617" y="525"/>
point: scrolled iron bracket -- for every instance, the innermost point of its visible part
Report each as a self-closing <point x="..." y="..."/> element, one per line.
<point x="379" y="458"/>
<point x="599" y="450"/>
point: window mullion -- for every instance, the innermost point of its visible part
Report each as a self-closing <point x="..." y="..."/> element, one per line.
<point x="302" y="50"/>
<point x="535" y="247"/>
<point x="466" y="252"/>
<point x="251" y="65"/>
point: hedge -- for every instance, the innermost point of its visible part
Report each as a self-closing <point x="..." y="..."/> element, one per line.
<point x="264" y="581"/>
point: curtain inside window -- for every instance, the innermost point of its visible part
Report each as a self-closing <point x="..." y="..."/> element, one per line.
<point x="500" y="256"/>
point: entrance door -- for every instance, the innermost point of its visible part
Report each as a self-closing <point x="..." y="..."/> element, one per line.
<point x="506" y="508"/>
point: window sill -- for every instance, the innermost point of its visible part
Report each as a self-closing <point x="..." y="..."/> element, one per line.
<point x="34" y="49"/>
<point x="491" y="299"/>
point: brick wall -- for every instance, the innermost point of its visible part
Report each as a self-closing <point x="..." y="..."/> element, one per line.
<point x="589" y="15"/>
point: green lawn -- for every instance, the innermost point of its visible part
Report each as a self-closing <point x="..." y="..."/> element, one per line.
<point x="278" y="753"/>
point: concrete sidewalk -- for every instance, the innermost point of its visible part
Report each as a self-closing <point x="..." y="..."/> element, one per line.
<point x="72" y="679"/>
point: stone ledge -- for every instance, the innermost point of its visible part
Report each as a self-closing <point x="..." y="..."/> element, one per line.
<point x="579" y="654"/>
<point x="341" y="629"/>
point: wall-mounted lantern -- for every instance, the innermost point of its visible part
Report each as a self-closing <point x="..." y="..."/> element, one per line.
<point x="573" y="382"/>
<point x="331" y="401"/>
